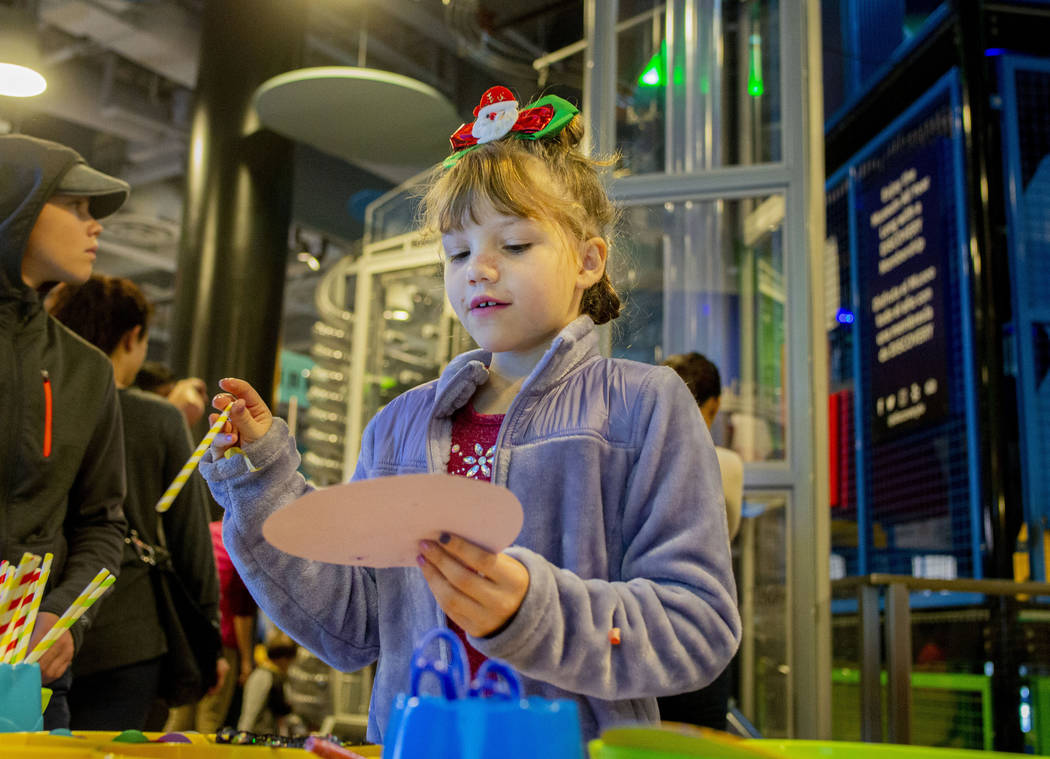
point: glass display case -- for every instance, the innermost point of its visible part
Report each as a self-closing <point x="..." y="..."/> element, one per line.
<point x="718" y="94"/>
<point x="709" y="276"/>
<point x="322" y="433"/>
<point x="405" y="331"/>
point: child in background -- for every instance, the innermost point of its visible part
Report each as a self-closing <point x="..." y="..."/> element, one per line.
<point x="265" y="705"/>
<point x="619" y="587"/>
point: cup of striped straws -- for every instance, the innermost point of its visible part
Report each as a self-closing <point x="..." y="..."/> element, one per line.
<point x="21" y="590"/>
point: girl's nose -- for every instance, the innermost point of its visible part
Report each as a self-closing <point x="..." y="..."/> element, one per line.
<point x="94" y="227"/>
<point x="482" y="268"/>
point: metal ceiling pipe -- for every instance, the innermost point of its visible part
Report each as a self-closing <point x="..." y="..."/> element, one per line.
<point x="230" y="271"/>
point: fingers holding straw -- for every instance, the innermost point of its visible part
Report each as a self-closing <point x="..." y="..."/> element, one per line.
<point x="180" y="479"/>
<point x="91" y="593"/>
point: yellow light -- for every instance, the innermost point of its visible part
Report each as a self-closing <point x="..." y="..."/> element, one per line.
<point x="20" y="81"/>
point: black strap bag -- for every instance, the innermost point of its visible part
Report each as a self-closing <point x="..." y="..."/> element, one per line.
<point x="194" y="642"/>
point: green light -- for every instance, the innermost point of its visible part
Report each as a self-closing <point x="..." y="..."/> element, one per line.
<point x="653" y="75"/>
<point x="650" y="77"/>
<point x="755" y="86"/>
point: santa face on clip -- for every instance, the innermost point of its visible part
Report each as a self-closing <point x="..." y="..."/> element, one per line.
<point x="495" y="119"/>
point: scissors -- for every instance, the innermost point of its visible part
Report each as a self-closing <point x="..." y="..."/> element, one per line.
<point x="495" y="678"/>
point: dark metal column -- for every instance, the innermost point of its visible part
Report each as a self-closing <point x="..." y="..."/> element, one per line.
<point x="898" y="662"/>
<point x="870" y="630"/>
<point x="230" y="277"/>
<point x="996" y="392"/>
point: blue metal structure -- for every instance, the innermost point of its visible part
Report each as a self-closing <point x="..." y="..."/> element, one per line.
<point x="1025" y="91"/>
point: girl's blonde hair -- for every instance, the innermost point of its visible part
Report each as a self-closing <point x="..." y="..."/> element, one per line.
<point x="498" y="173"/>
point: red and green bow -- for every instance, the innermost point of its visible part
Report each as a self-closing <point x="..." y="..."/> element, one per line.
<point x="548" y="115"/>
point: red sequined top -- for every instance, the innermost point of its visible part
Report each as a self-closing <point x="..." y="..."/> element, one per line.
<point x="473" y="447"/>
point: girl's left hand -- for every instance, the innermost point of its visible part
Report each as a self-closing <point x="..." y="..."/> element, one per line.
<point x="479" y="590"/>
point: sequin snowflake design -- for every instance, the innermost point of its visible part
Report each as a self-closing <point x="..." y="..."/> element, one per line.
<point x="481" y="460"/>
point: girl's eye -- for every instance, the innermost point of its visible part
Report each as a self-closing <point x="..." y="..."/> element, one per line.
<point x="518" y="248"/>
<point x="458" y="255"/>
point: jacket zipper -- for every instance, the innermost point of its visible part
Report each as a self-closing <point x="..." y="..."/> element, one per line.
<point x="47" y="412"/>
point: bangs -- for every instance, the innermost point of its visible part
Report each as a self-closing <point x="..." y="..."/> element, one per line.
<point x="493" y="175"/>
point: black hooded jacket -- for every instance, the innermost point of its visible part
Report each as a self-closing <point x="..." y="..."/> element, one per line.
<point x="61" y="440"/>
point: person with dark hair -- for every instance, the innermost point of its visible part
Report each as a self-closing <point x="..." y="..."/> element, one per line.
<point x="155" y="377"/>
<point x="619" y="587"/>
<point x="702" y="378"/>
<point x="186" y="394"/>
<point x="710" y="705"/>
<point x="61" y="460"/>
<point x="122" y="653"/>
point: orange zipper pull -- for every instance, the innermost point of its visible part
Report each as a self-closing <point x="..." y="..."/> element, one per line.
<point x="47" y="412"/>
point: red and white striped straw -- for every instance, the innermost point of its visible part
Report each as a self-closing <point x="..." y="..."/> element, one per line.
<point x="34" y="607"/>
<point x="10" y="638"/>
<point x="15" y="589"/>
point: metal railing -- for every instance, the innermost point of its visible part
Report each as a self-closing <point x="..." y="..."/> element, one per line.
<point x="897" y="635"/>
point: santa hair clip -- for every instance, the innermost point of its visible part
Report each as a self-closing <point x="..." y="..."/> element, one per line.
<point x="497" y="116"/>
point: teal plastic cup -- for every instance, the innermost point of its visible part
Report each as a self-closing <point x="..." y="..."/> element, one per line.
<point x="20" y="704"/>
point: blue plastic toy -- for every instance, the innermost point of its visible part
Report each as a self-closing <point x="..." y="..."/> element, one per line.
<point x="484" y="718"/>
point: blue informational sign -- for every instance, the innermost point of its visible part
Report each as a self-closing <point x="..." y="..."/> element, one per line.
<point x="904" y="261"/>
<point x="901" y="343"/>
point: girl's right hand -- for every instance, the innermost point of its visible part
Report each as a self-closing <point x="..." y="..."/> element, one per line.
<point x="249" y="420"/>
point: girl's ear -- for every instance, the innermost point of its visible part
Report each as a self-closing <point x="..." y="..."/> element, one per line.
<point x="593" y="255"/>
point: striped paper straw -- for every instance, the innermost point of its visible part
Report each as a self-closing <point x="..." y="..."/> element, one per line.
<point x="34" y="607"/>
<point x="6" y="576"/>
<point x="15" y="588"/>
<point x="69" y="616"/>
<point x="10" y="637"/>
<point x="180" y="479"/>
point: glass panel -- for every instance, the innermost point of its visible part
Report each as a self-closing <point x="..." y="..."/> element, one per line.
<point x="708" y="276"/>
<point x="396" y="213"/>
<point x="413" y="333"/>
<point x="563" y="77"/>
<point x="640" y="107"/>
<point x="763" y="690"/>
<point x="721" y="70"/>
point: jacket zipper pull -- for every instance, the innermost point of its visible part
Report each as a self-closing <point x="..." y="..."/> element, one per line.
<point x="47" y="412"/>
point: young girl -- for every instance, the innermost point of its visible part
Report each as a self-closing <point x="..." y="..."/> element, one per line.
<point x="619" y="587"/>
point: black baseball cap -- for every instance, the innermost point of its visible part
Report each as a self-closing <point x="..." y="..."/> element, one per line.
<point x="105" y="194"/>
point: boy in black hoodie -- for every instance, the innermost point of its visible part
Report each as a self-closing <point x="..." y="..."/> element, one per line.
<point x="61" y="440"/>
